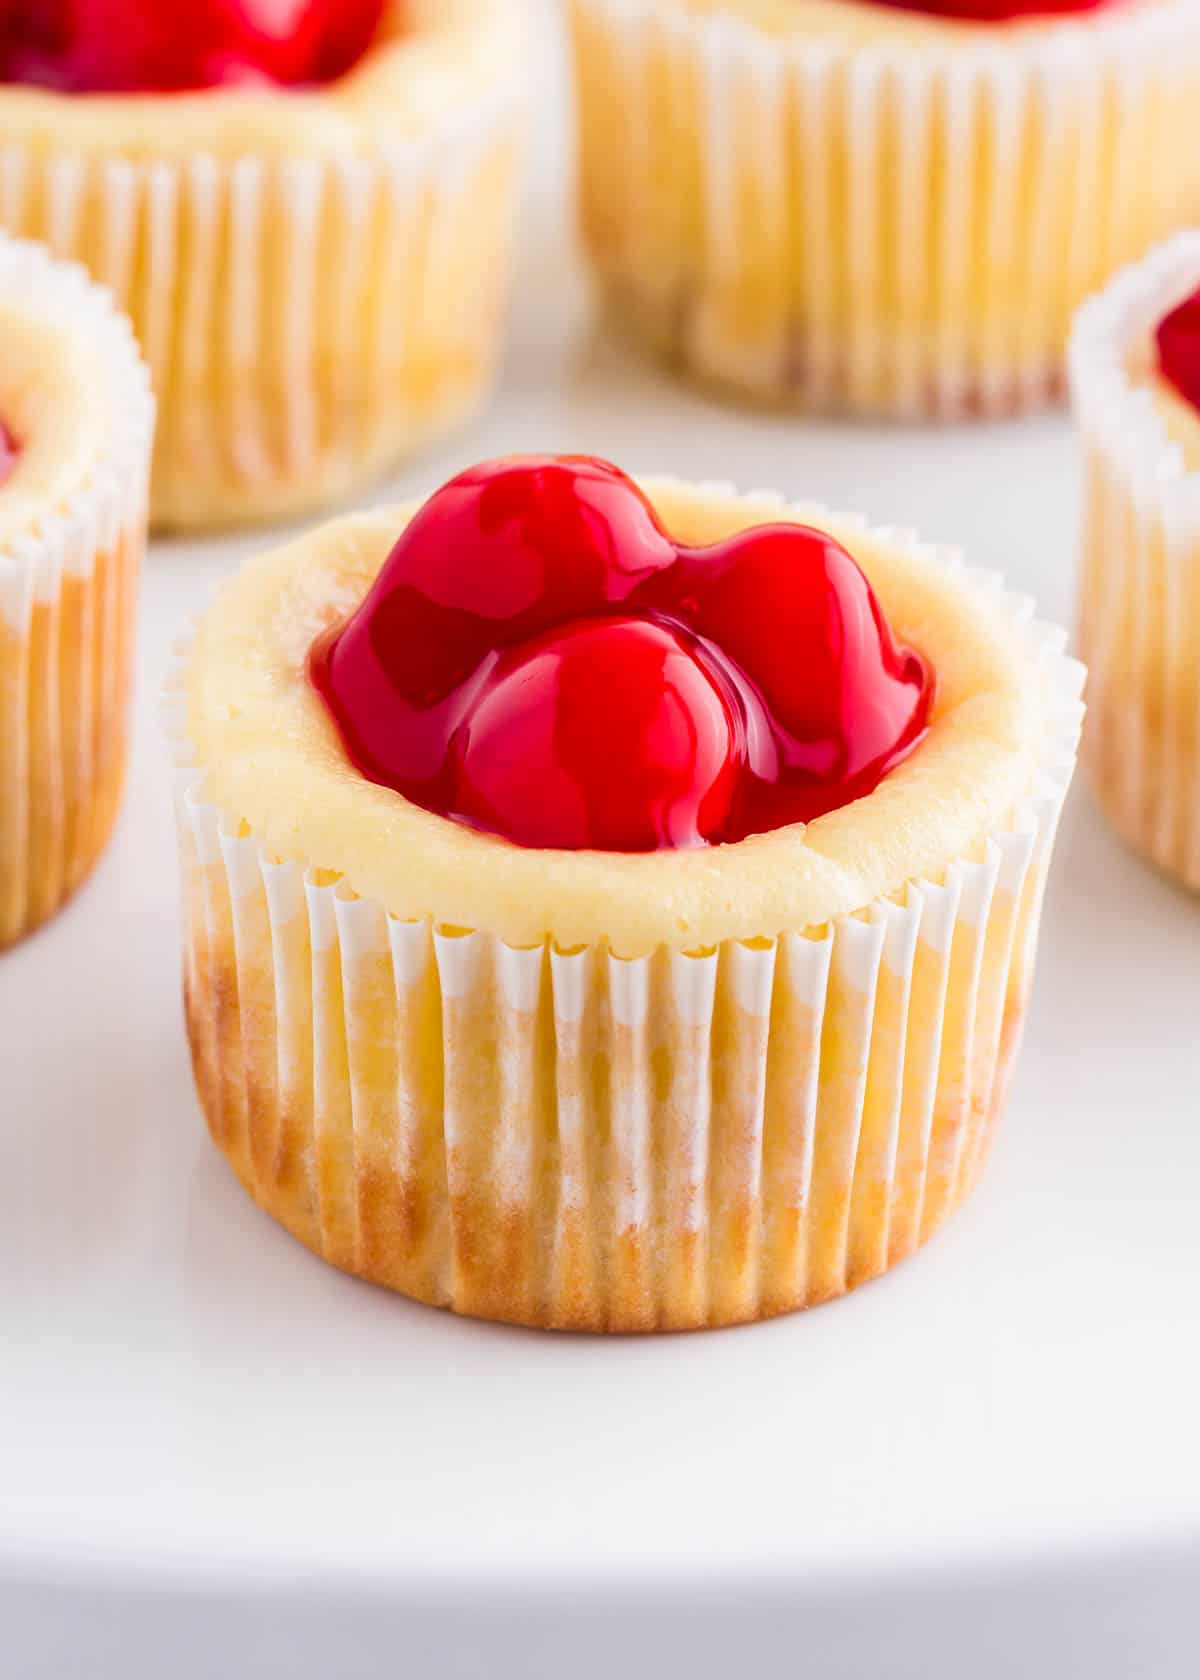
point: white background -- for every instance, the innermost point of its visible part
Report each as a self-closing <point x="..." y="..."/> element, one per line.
<point x="219" y="1457"/>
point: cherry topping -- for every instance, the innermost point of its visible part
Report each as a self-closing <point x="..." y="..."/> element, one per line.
<point x="997" y="11"/>
<point x="1178" y="338"/>
<point x="608" y="734"/>
<point x="169" y="46"/>
<point x="538" y="658"/>
<point x="802" y="627"/>
<point x="9" y="453"/>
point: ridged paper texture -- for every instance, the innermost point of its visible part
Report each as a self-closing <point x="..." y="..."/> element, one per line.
<point x="895" y="225"/>
<point x="307" y="322"/>
<point x="569" y="1139"/>
<point x="68" y="611"/>
<point x="1140" y="591"/>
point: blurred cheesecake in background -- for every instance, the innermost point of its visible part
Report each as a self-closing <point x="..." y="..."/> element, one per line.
<point x="885" y="206"/>
<point x="306" y="210"/>
<point x="1135" y="367"/>
<point x="76" y="424"/>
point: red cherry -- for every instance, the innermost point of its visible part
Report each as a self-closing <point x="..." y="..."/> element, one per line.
<point x="794" y="613"/>
<point x="1178" y="338"/>
<point x="500" y="553"/>
<point x="347" y="29"/>
<point x="997" y="11"/>
<point x="128" y="46"/>
<point x="532" y="763"/>
<point x="539" y="659"/>
<point x="9" y="452"/>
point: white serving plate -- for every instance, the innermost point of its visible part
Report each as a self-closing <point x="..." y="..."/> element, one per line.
<point x="217" y="1457"/>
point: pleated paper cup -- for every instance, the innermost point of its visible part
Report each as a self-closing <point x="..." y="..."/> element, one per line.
<point x="68" y="605"/>
<point x="869" y="211"/>
<point x="559" y="1136"/>
<point x="1140" y="602"/>
<point x="311" y="316"/>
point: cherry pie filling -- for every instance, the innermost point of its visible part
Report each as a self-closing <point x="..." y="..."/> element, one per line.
<point x="176" y="46"/>
<point x="9" y="454"/>
<point x="1177" y="340"/>
<point x="998" y="11"/>
<point x="539" y="659"/>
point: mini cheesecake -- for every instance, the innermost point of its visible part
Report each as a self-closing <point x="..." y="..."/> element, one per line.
<point x="1136" y="386"/>
<point x="891" y="208"/>
<point x="613" y="906"/>
<point x="306" y="210"/>
<point x="76" y="423"/>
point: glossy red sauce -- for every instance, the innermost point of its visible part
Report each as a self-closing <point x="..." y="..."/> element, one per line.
<point x="1178" y="341"/>
<point x="538" y="659"/>
<point x="172" y="46"/>
<point x="998" y="11"/>
<point x="9" y="454"/>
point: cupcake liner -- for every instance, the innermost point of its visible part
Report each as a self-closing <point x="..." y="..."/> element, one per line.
<point x="307" y="321"/>
<point x="1141" y="569"/>
<point x="899" y="225"/>
<point x="571" y="1139"/>
<point x="68" y="607"/>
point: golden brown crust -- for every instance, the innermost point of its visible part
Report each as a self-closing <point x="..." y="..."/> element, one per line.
<point x="64" y="701"/>
<point x="665" y="327"/>
<point x="472" y="1255"/>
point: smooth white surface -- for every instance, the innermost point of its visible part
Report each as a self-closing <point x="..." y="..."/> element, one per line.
<point x="219" y="1455"/>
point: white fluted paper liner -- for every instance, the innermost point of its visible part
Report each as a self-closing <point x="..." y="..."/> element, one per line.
<point x="307" y="321"/>
<point x="68" y="603"/>
<point x="901" y="223"/>
<point x="569" y="1139"/>
<point x="1140" y="593"/>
